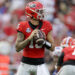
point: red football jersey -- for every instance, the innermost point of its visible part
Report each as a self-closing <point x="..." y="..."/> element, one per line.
<point x="32" y="50"/>
<point x="69" y="53"/>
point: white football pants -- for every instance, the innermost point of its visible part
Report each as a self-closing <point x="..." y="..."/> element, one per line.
<point x="67" y="70"/>
<point x="26" y="69"/>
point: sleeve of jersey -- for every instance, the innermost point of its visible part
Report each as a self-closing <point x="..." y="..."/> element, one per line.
<point x="64" y="50"/>
<point x="60" y="60"/>
<point x="20" y="27"/>
<point x="49" y="27"/>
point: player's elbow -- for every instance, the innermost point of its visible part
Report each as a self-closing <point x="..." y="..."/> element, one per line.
<point x="17" y="48"/>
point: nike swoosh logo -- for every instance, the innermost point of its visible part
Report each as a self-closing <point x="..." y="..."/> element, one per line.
<point x="43" y="29"/>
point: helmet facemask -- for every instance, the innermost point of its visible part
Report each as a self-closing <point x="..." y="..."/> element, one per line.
<point x="40" y="13"/>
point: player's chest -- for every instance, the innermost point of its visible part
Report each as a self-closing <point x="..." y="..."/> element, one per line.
<point x="28" y="30"/>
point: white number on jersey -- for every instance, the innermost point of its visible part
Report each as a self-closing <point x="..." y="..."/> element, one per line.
<point x="73" y="52"/>
<point x="32" y="46"/>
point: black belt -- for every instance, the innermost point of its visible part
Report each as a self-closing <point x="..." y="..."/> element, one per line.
<point x="32" y="61"/>
<point x="69" y="62"/>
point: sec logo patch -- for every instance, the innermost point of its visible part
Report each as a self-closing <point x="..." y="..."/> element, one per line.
<point x="28" y="30"/>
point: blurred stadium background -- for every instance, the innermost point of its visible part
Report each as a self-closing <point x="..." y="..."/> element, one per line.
<point x="61" y="13"/>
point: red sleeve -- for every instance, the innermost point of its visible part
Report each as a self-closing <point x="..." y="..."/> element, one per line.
<point x="20" y="27"/>
<point x="49" y="27"/>
<point x="64" y="49"/>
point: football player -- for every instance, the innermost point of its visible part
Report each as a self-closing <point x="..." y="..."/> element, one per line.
<point x="58" y="50"/>
<point x="66" y="62"/>
<point x="33" y="54"/>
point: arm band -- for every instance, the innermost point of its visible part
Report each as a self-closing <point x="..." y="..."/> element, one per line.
<point x="47" y="44"/>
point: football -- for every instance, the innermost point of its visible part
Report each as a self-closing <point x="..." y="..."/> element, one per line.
<point x="39" y="37"/>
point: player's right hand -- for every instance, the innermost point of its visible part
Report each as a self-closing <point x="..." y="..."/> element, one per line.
<point x="33" y="34"/>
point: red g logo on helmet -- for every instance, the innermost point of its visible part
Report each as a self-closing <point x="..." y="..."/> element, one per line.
<point x="34" y="9"/>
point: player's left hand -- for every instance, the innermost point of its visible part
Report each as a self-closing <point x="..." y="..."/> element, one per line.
<point x="40" y="37"/>
<point x="33" y="34"/>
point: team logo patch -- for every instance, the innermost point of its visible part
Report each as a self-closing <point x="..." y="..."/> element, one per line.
<point x="28" y="30"/>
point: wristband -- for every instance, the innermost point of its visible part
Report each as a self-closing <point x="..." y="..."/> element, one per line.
<point x="47" y="44"/>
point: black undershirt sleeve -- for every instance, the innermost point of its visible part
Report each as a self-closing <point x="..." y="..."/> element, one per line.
<point x="60" y="60"/>
<point x="19" y="31"/>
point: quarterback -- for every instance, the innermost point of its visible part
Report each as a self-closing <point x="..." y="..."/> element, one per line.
<point x="33" y="37"/>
